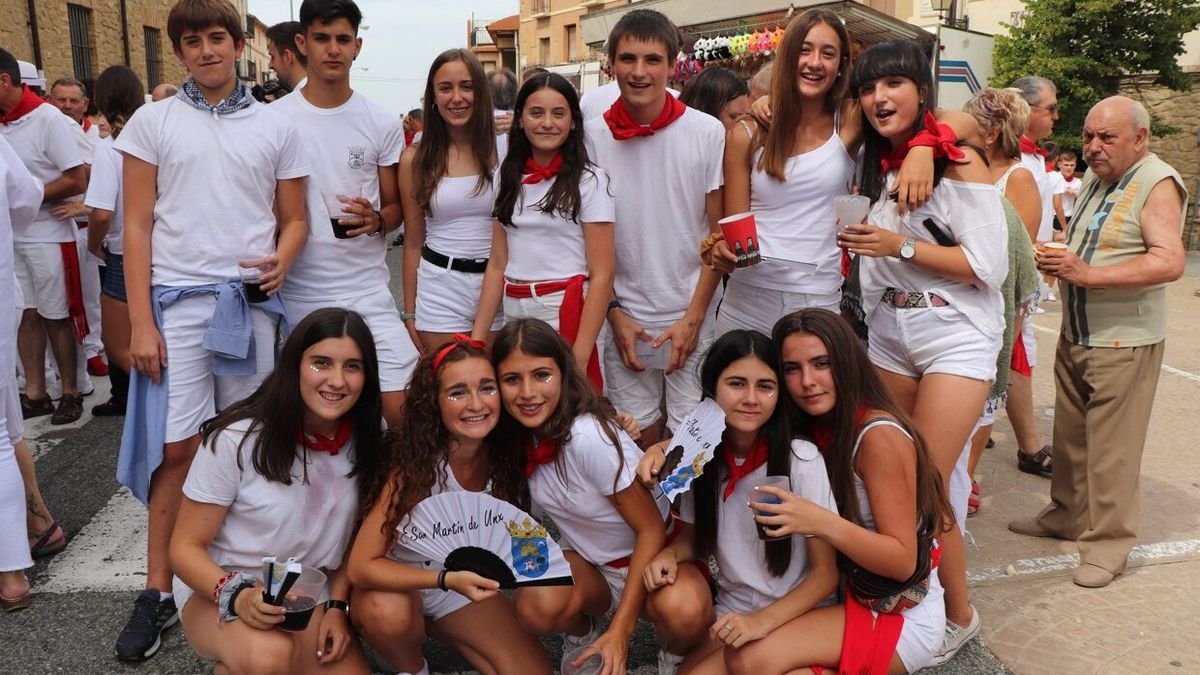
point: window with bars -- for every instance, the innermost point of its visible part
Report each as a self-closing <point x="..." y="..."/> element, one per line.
<point x="79" y="20"/>
<point x="153" y="40"/>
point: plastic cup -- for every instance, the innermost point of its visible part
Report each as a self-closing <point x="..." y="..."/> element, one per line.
<point x="590" y="667"/>
<point x="1054" y="246"/>
<point x="850" y="210"/>
<point x="251" y="267"/>
<point x="332" y="196"/>
<point x="781" y="482"/>
<point x="741" y="235"/>
<point x="302" y="599"/>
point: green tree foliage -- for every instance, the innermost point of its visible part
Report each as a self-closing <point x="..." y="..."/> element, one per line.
<point x="1085" y="46"/>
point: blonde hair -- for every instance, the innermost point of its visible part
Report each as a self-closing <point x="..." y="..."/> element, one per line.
<point x="1002" y="110"/>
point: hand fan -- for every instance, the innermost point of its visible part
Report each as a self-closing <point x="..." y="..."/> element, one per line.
<point x="475" y="532"/>
<point x="691" y="448"/>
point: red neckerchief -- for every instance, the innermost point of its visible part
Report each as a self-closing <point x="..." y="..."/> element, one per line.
<point x="319" y="443"/>
<point x="822" y="432"/>
<point x="1028" y="146"/>
<point x="408" y="138"/>
<point x="623" y="127"/>
<point x="544" y="452"/>
<point x="458" y="339"/>
<point x="87" y="124"/>
<point x="28" y="102"/>
<point x="936" y="135"/>
<point x="756" y="458"/>
<point x="536" y="173"/>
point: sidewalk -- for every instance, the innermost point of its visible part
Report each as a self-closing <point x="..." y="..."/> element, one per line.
<point x="1034" y="619"/>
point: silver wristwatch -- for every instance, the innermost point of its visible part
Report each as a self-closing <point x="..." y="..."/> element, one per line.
<point x="908" y="249"/>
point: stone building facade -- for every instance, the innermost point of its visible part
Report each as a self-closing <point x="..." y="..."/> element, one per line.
<point x="81" y="38"/>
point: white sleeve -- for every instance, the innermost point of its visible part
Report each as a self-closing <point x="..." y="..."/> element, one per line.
<point x="599" y="461"/>
<point x="104" y="186"/>
<point x="391" y="143"/>
<point x="981" y="231"/>
<point x="714" y="176"/>
<point x="214" y="477"/>
<point x="139" y="137"/>
<point x="24" y="192"/>
<point x="597" y="202"/>
<point x="63" y="143"/>
<point x="809" y="476"/>
<point x="290" y="163"/>
<point x="1057" y="184"/>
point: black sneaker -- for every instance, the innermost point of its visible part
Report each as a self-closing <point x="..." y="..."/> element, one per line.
<point x="151" y="616"/>
<point x="110" y="408"/>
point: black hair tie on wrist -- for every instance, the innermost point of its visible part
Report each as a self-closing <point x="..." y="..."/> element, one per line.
<point x="441" y="582"/>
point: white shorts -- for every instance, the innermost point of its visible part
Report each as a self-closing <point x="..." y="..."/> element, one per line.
<point x="194" y="392"/>
<point x="926" y="340"/>
<point x="615" y="577"/>
<point x="543" y="307"/>
<point x="14" y="423"/>
<point x="447" y="300"/>
<point x="1030" y="340"/>
<point x="436" y="603"/>
<point x="39" y="268"/>
<point x="924" y="628"/>
<point x="640" y="394"/>
<point x="397" y="355"/>
<point x="745" y="306"/>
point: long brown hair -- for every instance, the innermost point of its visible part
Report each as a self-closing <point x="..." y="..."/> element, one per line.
<point x="778" y="139"/>
<point x="537" y="338"/>
<point x="118" y="95"/>
<point x="412" y="452"/>
<point x="433" y="152"/>
<point x="858" y="386"/>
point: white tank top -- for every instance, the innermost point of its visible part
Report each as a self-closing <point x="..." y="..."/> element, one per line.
<point x="404" y="555"/>
<point x="1002" y="183"/>
<point x="795" y="219"/>
<point x="459" y="223"/>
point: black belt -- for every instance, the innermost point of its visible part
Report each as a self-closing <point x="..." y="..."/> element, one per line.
<point x="468" y="265"/>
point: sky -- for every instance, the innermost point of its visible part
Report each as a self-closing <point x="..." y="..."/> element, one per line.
<point x="401" y="39"/>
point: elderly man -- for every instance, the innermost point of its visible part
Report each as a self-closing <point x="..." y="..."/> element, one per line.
<point x="163" y="90"/>
<point x="1123" y="247"/>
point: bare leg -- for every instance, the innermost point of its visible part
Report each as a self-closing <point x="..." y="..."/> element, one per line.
<point x="683" y="611"/>
<point x="652" y="434"/>
<point x="504" y="647"/>
<point x="37" y="514"/>
<point x="166" y="493"/>
<point x="114" y="321"/>
<point x="1021" y="415"/>
<point x="393" y="407"/>
<point x="813" y="639"/>
<point x="392" y="624"/>
<point x="13" y="584"/>
<point x="31" y="347"/>
<point x="564" y="609"/>
<point x="62" y="344"/>
<point x="978" y="443"/>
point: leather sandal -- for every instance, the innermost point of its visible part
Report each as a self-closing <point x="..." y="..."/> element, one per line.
<point x="20" y="602"/>
<point x="46" y="545"/>
<point x="1038" y="464"/>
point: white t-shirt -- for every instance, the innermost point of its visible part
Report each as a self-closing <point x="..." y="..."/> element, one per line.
<point x="217" y="176"/>
<point x="104" y="191"/>
<point x="1037" y="166"/>
<point x="589" y="523"/>
<point x="595" y="102"/>
<point x="1059" y="185"/>
<point x="346" y="144"/>
<point x="20" y="198"/>
<point x="970" y="214"/>
<point x="312" y="522"/>
<point x="47" y="142"/>
<point x="744" y="581"/>
<point x="661" y="183"/>
<point x="544" y="246"/>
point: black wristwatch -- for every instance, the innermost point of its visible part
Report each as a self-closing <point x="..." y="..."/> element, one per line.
<point x="615" y="304"/>
<point x="338" y="604"/>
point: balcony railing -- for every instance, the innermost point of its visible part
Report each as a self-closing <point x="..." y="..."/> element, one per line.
<point x="539" y="8"/>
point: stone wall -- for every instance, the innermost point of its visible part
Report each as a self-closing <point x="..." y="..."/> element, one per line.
<point x="1179" y="109"/>
<point x="54" y="34"/>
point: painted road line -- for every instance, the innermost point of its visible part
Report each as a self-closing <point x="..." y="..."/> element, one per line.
<point x="108" y="554"/>
<point x="1166" y="369"/>
<point x="1142" y="554"/>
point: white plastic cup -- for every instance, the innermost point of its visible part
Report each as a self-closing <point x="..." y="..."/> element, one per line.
<point x="332" y="196"/>
<point x="850" y="210"/>
<point x="590" y="667"/>
<point x="302" y="599"/>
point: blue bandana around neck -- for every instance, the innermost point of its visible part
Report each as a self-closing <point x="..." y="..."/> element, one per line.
<point x="239" y="98"/>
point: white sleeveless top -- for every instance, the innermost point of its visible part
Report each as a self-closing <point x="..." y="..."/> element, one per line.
<point x="459" y="223"/>
<point x="795" y="219"/>
<point x="1002" y="183"/>
<point x="408" y="557"/>
<point x="860" y="490"/>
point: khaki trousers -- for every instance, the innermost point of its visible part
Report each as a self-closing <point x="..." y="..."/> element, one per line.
<point x="1102" y="409"/>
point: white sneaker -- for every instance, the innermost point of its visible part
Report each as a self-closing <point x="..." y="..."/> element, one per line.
<point x="956" y="636"/>
<point x="573" y="642"/>
<point x="668" y="663"/>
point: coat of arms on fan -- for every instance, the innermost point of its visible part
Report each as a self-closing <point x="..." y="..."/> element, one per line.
<point x="475" y="532"/>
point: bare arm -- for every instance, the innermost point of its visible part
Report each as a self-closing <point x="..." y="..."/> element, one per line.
<point x="99" y="222"/>
<point x="293" y="231"/>
<point x="1022" y="192"/>
<point x="414" y="235"/>
<point x="146" y="346"/>
<point x="368" y="566"/>
<point x="492" y="294"/>
<point x="601" y="261"/>
<point x="72" y="182"/>
<point x="389" y="197"/>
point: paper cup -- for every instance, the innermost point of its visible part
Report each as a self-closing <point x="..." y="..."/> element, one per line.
<point x="1054" y="246"/>
<point x="302" y="599"/>
<point x="331" y="196"/>
<point x="741" y="236"/>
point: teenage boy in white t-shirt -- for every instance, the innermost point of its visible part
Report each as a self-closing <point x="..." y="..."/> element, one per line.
<point x="348" y="139"/>
<point x="1065" y="185"/>
<point x="46" y="141"/>
<point x="664" y="163"/>
<point x="201" y="172"/>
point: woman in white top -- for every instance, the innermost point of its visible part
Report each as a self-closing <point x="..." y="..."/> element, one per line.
<point x="118" y="95"/>
<point x="761" y="585"/>
<point x="789" y="172"/>
<point x="445" y="443"/>
<point x="581" y="471"/>
<point x="279" y="473"/>
<point x="930" y="283"/>
<point x="447" y="193"/>
<point x="887" y="488"/>
<point x="553" y="233"/>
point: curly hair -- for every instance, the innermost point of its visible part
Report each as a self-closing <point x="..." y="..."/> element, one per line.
<point x="1001" y="110"/>
<point x="413" y="451"/>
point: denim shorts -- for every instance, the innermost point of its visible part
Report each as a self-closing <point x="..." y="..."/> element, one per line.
<point x="113" y="279"/>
